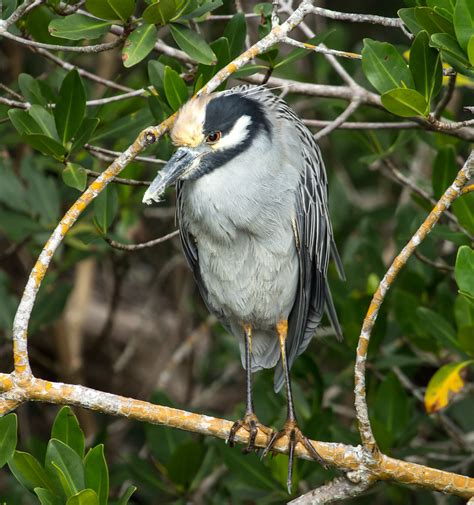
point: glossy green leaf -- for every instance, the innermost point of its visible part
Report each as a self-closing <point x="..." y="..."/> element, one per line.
<point x="66" y="426"/>
<point x="464" y="210"/>
<point x="405" y="102"/>
<point x="45" y="144"/>
<point x="28" y="472"/>
<point x="407" y="15"/>
<point x="193" y="44"/>
<point x="444" y="170"/>
<point x="111" y="9"/>
<point x="66" y="465"/>
<point x="97" y="473"/>
<point x="78" y="27"/>
<point x="384" y="67"/>
<point x="464" y="21"/>
<point x="45" y="120"/>
<point x="448" y="44"/>
<point x="70" y="107"/>
<point x="446" y="5"/>
<point x="204" y="8"/>
<point x="433" y="22"/>
<point x="464" y="315"/>
<point x="105" y="208"/>
<point x="160" y="12"/>
<point x="156" y="75"/>
<point x="84" y="133"/>
<point x="139" y="44"/>
<point x="250" y="70"/>
<point x="438" y="327"/>
<point x="235" y="32"/>
<point x="175" y="89"/>
<point x="23" y="122"/>
<point x="31" y="90"/>
<point x="425" y="66"/>
<point x="470" y="50"/>
<point x="46" y="497"/>
<point x="8" y="437"/>
<point x="85" y="497"/>
<point x="124" y="499"/>
<point x="464" y="270"/>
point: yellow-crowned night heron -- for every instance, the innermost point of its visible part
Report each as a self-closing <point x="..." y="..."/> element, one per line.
<point x="254" y="223"/>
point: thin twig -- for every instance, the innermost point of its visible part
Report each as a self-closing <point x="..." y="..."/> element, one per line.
<point x="119" y="180"/>
<point x="321" y="49"/>
<point x="435" y="264"/>
<point x="111" y="155"/>
<point x="358" y="18"/>
<point x="18" y="13"/>
<point x="454" y="190"/>
<point x="143" y="245"/>
<point x="447" y="95"/>
<point x="364" y="125"/>
<point x="350" y="109"/>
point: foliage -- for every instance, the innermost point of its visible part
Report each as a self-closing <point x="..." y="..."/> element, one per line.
<point x="51" y="128"/>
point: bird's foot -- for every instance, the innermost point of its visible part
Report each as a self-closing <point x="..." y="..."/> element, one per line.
<point x="250" y="423"/>
<point x="295" y="436"/>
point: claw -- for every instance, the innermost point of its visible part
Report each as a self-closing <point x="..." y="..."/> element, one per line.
<point x="250" y="423"/>
<point x="295" y="436"/>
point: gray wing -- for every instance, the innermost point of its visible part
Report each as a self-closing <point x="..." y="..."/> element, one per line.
<point x="192" y="256"/>
<point x="315" y="245"/>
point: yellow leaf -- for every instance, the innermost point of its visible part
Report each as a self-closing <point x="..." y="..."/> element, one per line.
<point x="444" y="384"/>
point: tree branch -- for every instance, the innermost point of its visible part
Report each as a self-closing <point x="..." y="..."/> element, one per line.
<point x="448" y="197"/>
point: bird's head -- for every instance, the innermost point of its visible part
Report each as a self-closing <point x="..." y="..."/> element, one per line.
<point x="209" y="131"/>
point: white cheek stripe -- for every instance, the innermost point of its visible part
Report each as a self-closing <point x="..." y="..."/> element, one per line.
<point x="236" y="135"/>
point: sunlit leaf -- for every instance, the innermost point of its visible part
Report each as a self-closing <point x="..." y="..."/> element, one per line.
<point x="139" y="44"/>
<point x="444" y="384"/>
<point x="464" y="270"/>
<point x="78" y="27"/>
<point x="405" y="102"/>
<point x="193" y="44"/>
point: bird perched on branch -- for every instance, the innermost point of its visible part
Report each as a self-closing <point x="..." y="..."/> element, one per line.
<point x="255" y="228"/>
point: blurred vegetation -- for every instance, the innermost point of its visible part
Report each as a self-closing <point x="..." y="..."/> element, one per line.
<point x="132" y="323"/>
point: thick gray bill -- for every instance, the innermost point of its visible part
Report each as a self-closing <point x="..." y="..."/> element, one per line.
<point x="176" y="166"/>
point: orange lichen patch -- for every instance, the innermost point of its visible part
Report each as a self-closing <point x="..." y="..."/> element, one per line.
<point x="188" y="127"/>
<point x="95" y="186"/>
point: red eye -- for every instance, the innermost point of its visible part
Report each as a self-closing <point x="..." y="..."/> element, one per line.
<point x="213" y="137"/>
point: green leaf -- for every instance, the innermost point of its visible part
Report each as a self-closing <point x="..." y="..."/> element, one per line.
<point x="111" y="9"/>
<point x="464" y="22"/>
<point x="30" y="89"/>
<point x="463" y="208"/>
<point x="84" y="133"/>
<point x="28" y="472"/>
<point x="206" y="7"/>
<point x="23" y="122"/>
<point x="433" y="22"/>
<point x="42" y="194"/>
<point x="175" y="89"/>
<point x="185" y="463"/>
<point x="66" y="426"/>
<point x="449" y="45"/>
<point x="85" y="497"/>
<point x="123" y="500"/>
<point x="8" y="437"/>
<point x="70" y="107"/>
<point x="46" y="497"/>
<point x="12" y="191"/>
<point x="464" y="315"/>
<point x="97" y="473"/>
<point x="45" y="120"/>
<point x="156" y="75"/>
<point x="408" y="17"/>
<point x="444" y="170"/>
<point x="66" y="465"/>
<point x="46" y="145"/>
<point x="139" y="44"/>
<point x="425" y="66"/>
<point x="74" y="176"/>
<point x="438" y="327"/>
<point x="464" y="270"/>
<point x="235" y="32"/>
<point x="249" y="70"/>
<point x="444" y="384"/>
<point x="405" y="102"/>
<point x="78" y="27"/>
<point x="384" y="67"/>
<point x="470" y="50"/>
<point x="193" y="44"/>
<point x="105" y="208"/>
<point x="160" y="12"/>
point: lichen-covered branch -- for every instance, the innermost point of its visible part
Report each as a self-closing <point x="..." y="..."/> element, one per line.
<point x="454" y="191"/>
